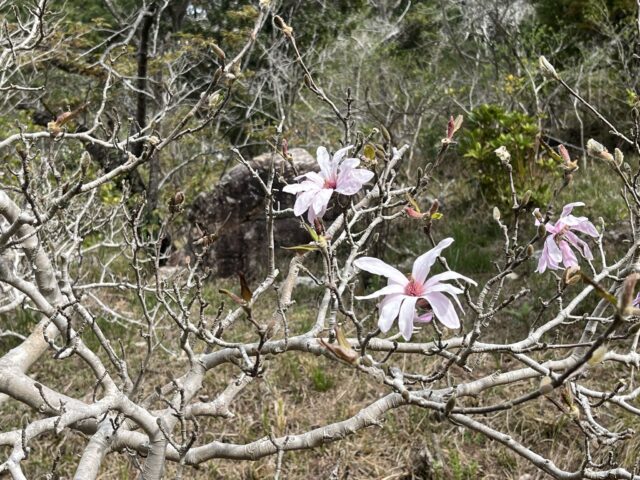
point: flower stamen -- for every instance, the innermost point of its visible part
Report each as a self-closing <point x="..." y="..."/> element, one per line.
<point x="413" y="288"/>
<point x="331" y="183"/>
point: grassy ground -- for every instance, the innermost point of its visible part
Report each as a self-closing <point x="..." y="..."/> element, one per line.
<point x="300" y="392"/>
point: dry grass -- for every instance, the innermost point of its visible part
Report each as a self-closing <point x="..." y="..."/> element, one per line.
<point x="300" y="392"/>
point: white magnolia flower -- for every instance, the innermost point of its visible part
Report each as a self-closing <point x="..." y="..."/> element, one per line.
<point x="337" y="174"/>
<point x="404" y="294"/>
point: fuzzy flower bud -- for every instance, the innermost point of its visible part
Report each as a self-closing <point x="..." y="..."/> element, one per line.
<point x="282" y="25"/>
<point x="597" y="356"/>
<point x="538" y="215"/>
<point x="596" y="149"/>
<point x="542" y="231"/>
<point x="219" y="52"/>
<point x="546" y="386"/>
<point x="547" y="69"/>
<point x="496" y="214"/>
<point x="503" y="154"/>
<point x="214" y="100"/>
<point x="571" y="275"/>
<point x="618" y="157"/>
<point x="626" y="298"/>
<point x="433" y="209"/>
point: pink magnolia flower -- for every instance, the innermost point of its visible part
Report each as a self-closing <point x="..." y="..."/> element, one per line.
<point x="557" y="246"/>
<point x="337" y="174"/>
<point x="403" y="295"/>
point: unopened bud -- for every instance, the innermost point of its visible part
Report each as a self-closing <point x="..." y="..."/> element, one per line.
<point x="367" y="361"/>
<point x="529" y="250"/>
<point x="496" y="214"/>
<point x="526" y="197"/>
<point x="571" y="275"/>
<point x="214" y="100"/>
<point x="596" y="149"/>
<point x="307" y="82"/>
<point x="628" y="289"/>
<point x="546" y="385"/>
<point x="574" y="412"/>
<point x="547" y="69"/>
<point x="503" y="154"/>
<point x="153" y="140"/>
<point x="178" y="198"/>
<point x="216" y="75"/>
<point x="385" y="133"/>
<point x="318" y="226"/>
<point x="434" y="208"/>
<point x="538" y="215"/>
<point x="282" y="25"/>
<point x="542" y="231"/>
<point x="597" y="356"/>
<point x="219" y="52"/>
<point x="618" y="157"/>
<point x="451" y="403"/>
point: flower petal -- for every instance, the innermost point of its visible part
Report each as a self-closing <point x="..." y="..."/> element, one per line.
<point x="424" y="262"/>
<point x="583" y="225"/>
<point x="568" y="257"/>
<point x="443" y="309"/>
<point x="405" y="319"/>
<point x="300" y="187"/>
<point x="388" y="290"/>
<point x="424" y="318"/>
<point x="570" y="206"/>
<point x="362" y="175"/>
<point x="314" y="178"/>
<point x="579" y="244"/>
<point x="348" y="186"/>
<point x="339" y="155"/>
<point x="350" y="182"/>
<point x="450" y="289"/>
<point x="441" y="277"/>
<point x="551" y="255"/>
<point x="324" y="160"/>
<point x="321" y="200"/>
<point x="378" y="267"/>
<point x="349" y="164"/>
<point x="389" y="309"/>
<point x="303" y="202"/>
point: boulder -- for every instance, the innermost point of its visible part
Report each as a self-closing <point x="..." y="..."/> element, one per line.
<point x="239" y="200"/>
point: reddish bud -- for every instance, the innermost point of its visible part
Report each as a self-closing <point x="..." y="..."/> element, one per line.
<point x="564" y="153"/>
<point x="411" y="212"/>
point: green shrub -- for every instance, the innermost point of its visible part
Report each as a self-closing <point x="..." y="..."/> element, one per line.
<point x="491" y="126"/>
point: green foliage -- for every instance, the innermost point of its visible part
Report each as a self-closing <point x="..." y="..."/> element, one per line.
<point x="321" y="380"/>
<point x="584" y="16"/>
<point x="490" y="127"/>
<point x="470" y="252"/>
<point x="462" y="470"/>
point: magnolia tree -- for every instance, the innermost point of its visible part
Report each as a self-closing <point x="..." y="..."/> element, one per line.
<point x="71" y="261"/>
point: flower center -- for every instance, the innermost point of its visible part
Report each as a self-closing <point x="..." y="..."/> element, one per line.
<point x="560" y="234"/>
<point x="331" y="182"/>
<point x="413" y="288"/>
